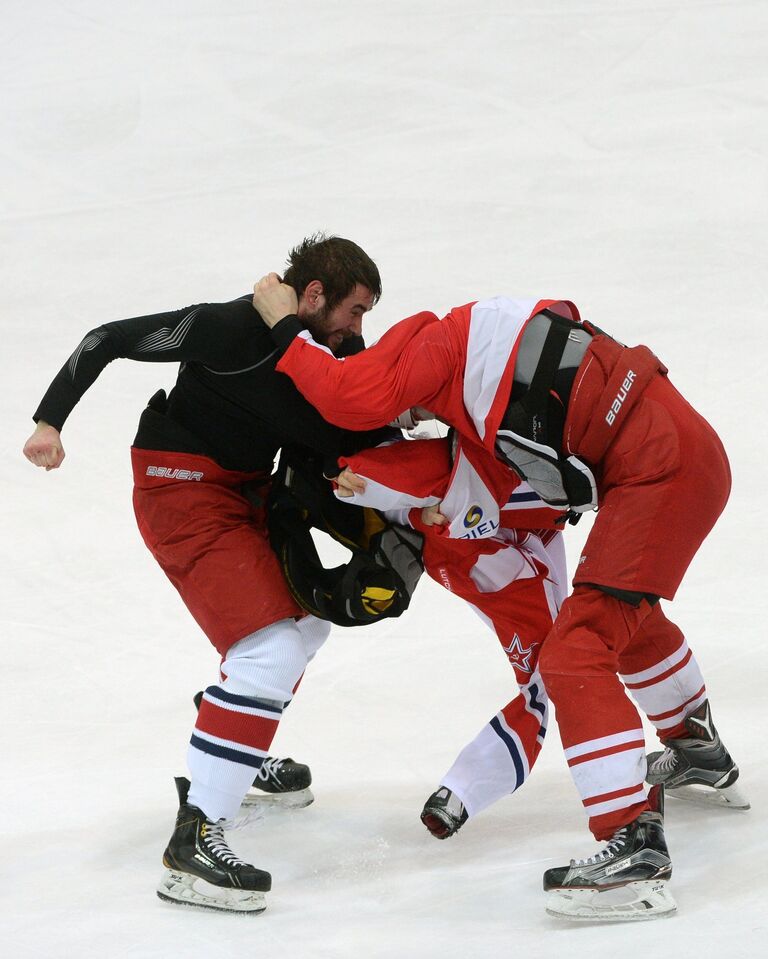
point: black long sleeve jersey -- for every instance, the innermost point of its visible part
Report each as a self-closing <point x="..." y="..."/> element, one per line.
<point x="229" y="403"/>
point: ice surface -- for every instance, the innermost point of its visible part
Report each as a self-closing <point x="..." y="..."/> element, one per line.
<point x="156" y="154"/>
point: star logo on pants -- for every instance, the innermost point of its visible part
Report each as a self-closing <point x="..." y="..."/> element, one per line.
<point x="518" y="656"/>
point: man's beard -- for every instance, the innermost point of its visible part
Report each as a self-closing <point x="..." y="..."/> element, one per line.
<point x="318" y="324"/>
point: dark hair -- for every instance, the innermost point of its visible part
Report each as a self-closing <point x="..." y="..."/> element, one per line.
<point x="339" y="264"/>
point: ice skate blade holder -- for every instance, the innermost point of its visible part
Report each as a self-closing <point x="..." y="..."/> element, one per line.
<point x="632" y="902"/>
<point x="183" y="889"/>
<point x="298" y="799"/>
<point x="729" y="797"/>
<point x="256" y="807"/>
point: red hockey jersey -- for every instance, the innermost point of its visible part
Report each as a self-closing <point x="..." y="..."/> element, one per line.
<point x="460" y="368"/>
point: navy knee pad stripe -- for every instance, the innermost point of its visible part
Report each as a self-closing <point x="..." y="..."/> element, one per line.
<point x="226" y="752"/>
<point x="249" y="702"/>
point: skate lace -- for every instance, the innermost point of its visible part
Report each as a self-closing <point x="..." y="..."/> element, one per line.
<point x="666" y="761"/>
<point x="615" y="845"/>
<point x="270" y="768"/>
<point x="217" y="845"/>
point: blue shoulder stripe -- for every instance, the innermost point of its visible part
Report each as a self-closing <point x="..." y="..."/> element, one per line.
<point x="525" y="498"/>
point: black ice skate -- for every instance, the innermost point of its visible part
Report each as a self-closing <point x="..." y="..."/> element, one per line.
<point x="625" y="881"/>
<point x="285" y="782"/>
<point x="444" y="813"/>
<point x="698" y="768"/>
<point x="203" y="871"/>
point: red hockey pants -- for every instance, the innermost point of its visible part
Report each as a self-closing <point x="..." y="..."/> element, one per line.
<point x="663" y="482"/>
<point x="211" y="542"/>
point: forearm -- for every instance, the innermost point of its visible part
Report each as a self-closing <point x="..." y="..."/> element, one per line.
<point x="215" y="334"/>
<point x="372" y="388"/>
<point x="411" y="473"/>
<point x="80" y="371"/>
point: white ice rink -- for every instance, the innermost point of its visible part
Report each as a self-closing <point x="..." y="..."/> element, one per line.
<point x="157" y="154"/>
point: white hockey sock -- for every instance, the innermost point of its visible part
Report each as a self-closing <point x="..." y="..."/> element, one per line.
<point x="238" y="718"/>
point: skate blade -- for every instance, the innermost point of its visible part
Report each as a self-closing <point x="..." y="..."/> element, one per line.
<point x="633" y="902"/>
<point x="292" y="800"/>
<point x="257" y="807"/>
<point x="730" y="797"/>
<point x="183" y="889"/>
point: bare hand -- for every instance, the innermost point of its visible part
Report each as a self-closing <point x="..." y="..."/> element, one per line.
<point x="274" y="299"/>
<point x="349" y="483"/>
<point x="44" y="448"/>
<point x="431" y="516"/>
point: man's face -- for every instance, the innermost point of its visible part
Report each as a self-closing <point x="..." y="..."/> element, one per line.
<point x="331" y="327"/>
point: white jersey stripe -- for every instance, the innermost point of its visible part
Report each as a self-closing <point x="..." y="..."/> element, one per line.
<point x="385" y="497"/>
<point x="495" y="571"/>
<point x="494" y="328"/>
<point x="468" y="504"/>
<point x="310" y="341"/>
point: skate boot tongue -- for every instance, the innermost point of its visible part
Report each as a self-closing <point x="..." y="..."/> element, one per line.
<point x="182" y="789"/>
<point x="615" y="845"/>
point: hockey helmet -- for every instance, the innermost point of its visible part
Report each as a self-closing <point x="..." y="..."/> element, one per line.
<point x="381" y="575"/>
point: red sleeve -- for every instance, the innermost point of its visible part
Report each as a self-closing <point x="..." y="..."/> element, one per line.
<point x="409" y="366"/>
<point x="417" y="468"/>
<point x="533" y="520"/>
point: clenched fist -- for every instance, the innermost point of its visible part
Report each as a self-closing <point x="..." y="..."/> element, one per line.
<point x="44" y="448"/>
<point x="274" y="299"/>
<point x="349" y="483"/>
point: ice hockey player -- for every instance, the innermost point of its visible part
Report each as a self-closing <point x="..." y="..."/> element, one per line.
<point x="589" y="424"/>
<point x="515" y="580"/>
<point x="202" y="460"/>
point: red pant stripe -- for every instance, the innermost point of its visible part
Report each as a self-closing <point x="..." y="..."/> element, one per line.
<point x="616" y="794"/>
<point x="600" y="753"/>
<point x="673" y="712"/>
<point x="661" y="676"/>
